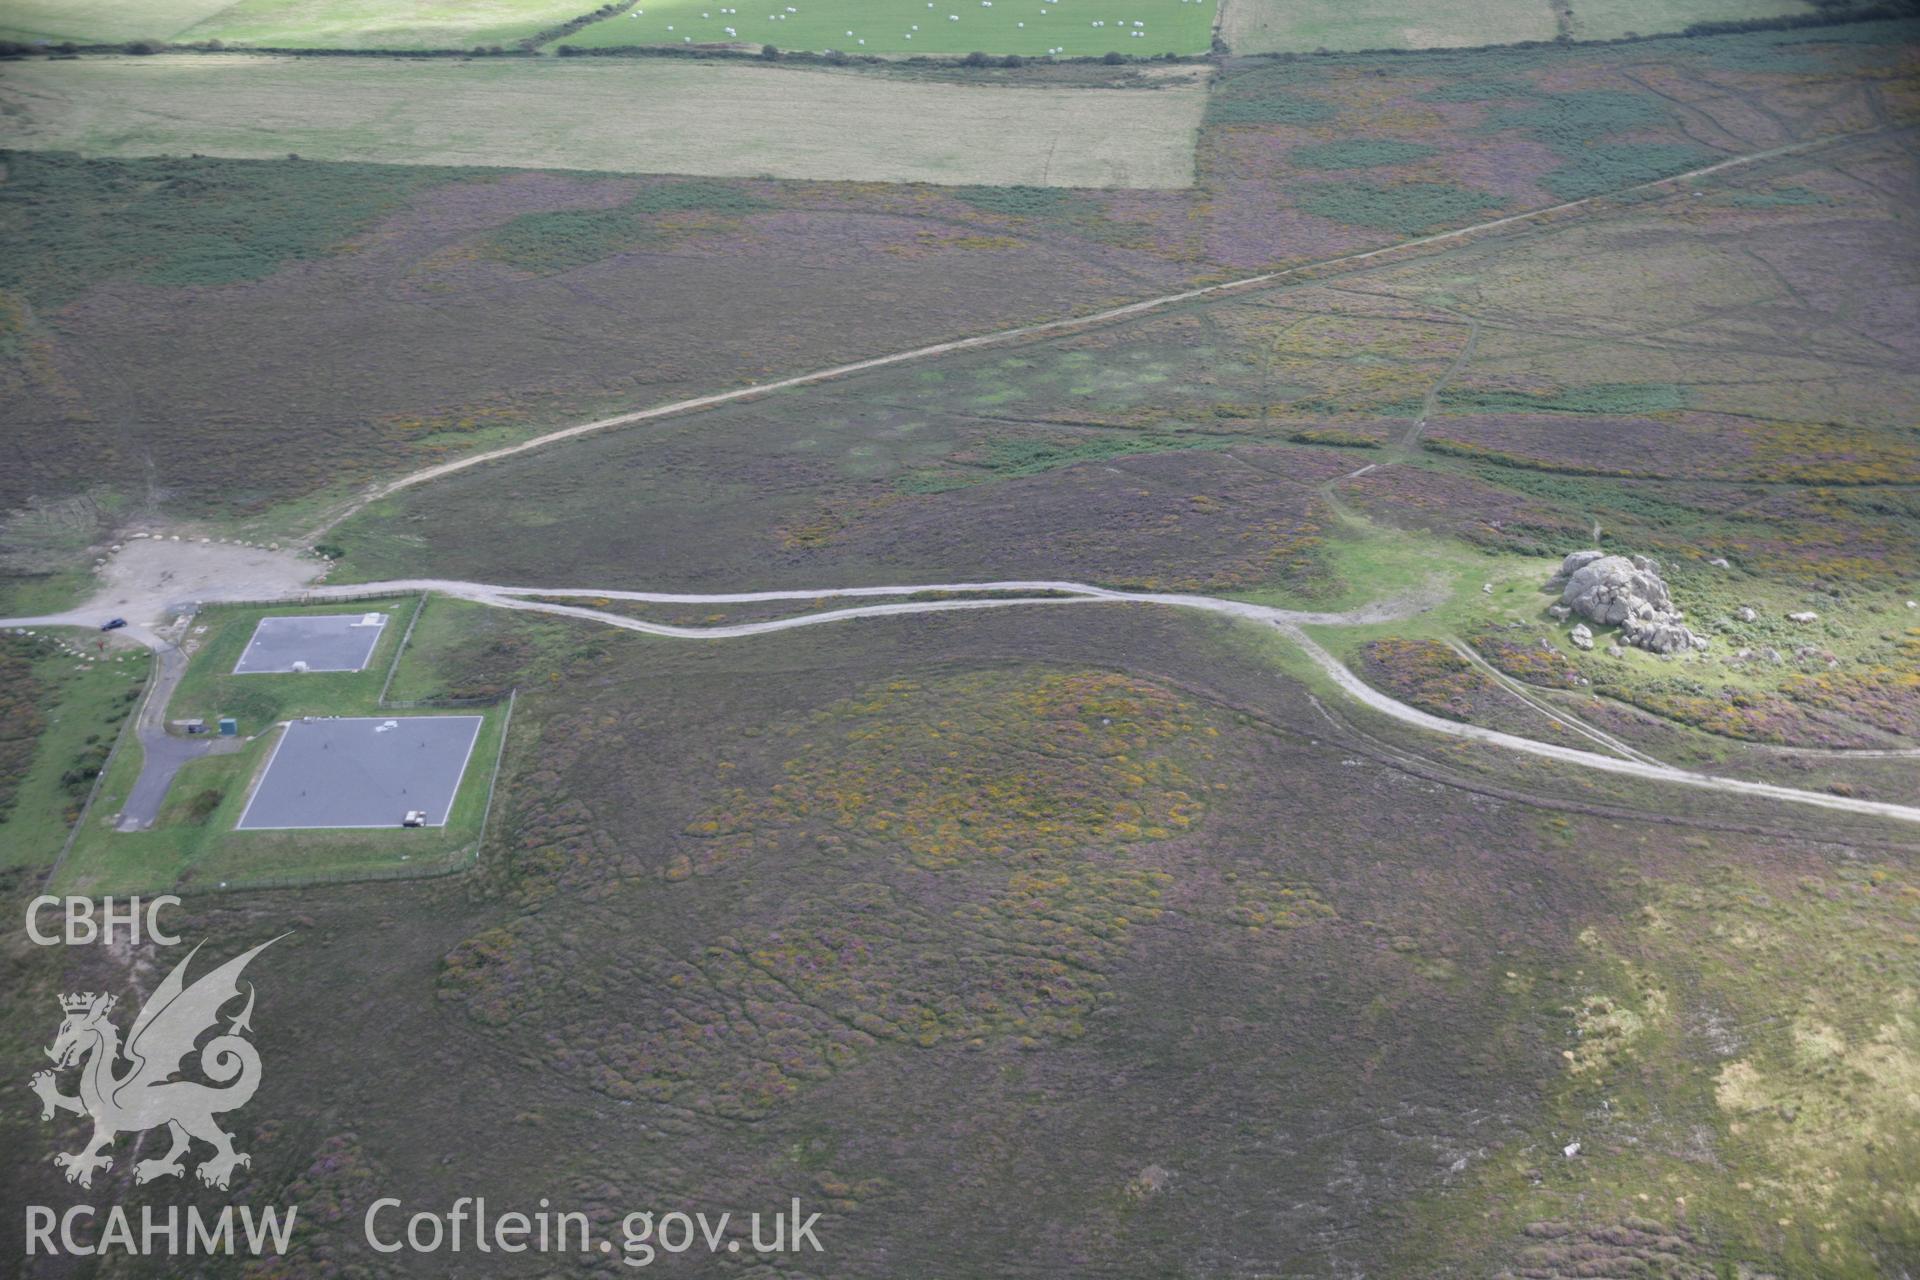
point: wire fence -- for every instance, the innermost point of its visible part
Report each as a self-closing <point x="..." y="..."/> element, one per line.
<point x="393" y="667"/>
<point x="311" y="597"/>
<point x="462" y="859"/>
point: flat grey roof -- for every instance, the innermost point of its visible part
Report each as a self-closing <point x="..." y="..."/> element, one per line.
<point x="361" y="772"/>
<point x="324" y="641"/>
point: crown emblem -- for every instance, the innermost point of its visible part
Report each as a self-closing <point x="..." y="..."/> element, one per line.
<point x="170" y="1030"/>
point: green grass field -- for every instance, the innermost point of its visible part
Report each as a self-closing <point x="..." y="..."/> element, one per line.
<point x="86" y="21"/>
<point x="384" y="24"/>
<point x="1294" y="26"/>
<point x="77" y="708"/>
<point x="29" y="596"/>
<point x="1070" y="28"/>
<point x="303" y="24"/>
<point x="1027" y="27"/>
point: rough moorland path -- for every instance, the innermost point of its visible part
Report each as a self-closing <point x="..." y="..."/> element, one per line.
<point x="1021" y="594"/>
<point x="1072" y="324"/>
<point x="1024" y="593"/>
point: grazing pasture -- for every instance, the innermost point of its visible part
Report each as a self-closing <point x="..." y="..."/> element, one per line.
<point x="1294" y="26"/>
<point x="86" y="21"/>
<point x="296" y="24"/>
<point x="383" y="24"/>
<point x="1068" y="28"/>
<point x="1291" y="26"/>
<point x="616" y="116"/>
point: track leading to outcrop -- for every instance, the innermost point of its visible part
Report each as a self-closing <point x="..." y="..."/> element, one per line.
<point x="889" y="602"/>
<point x="1021" y="593"/>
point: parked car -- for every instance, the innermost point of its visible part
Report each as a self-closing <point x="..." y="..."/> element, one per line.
<point x="113" y="624"/>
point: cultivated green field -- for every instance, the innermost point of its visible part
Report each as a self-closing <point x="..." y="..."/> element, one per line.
<point x="1299" y="26"/>
<point x="98" y="20"/>
<point x="1302" y="26"/>
<point x="645" y="116"/>
<point x="308" y="24"/>
<point x="383" y="24"/>
<point x="1070" y="28"/>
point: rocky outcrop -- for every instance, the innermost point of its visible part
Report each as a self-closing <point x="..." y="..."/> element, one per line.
<point x="1625" y="592"/>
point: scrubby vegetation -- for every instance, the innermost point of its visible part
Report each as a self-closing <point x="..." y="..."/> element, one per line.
<point x="62" y="715"/>
<point x="75" y="223"/>
<point x="1740" y="1087"/>
<point x="1091" y="914"/>
<point x="1231" y="108"/>
<point x="1008" y="458"/>
<point x="1358" y="153"/>
<point x="1019" y="202"/>
<point x="1860" y="705"/>
<point x="1426" y="674"/>
<point x="975" y="882"/>
<point x="1409" y="207"/>
<point x="22" y="718"/>
<point x="557" y="241"/>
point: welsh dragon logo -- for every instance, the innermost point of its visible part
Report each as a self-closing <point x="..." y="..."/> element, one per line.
<point x="144" y="1096"/>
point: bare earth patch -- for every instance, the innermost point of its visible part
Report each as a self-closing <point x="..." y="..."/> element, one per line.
<point x="150" y="580"/>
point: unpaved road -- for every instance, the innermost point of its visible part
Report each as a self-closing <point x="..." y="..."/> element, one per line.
<point x="151" y="580"/>
<point x="1057" y="328"/>
<point x="1526" y="696"/>
<point x="161" y="753"/>
<point x="1008" y="594"/>
<point x="1360" y="692"/>
<point x="1020" y="593"/>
